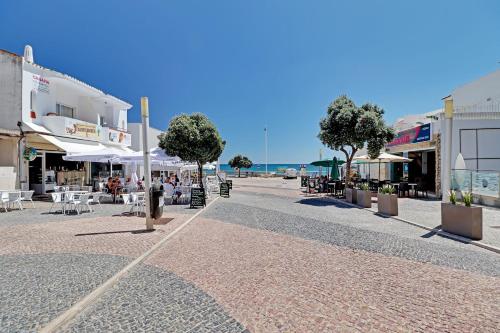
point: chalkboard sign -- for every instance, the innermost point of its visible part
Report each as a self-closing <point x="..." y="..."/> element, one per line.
<point x="224" y="190"/>
<point x="197" y="197"/>
<point x="303" y="181"/>
<point x="230" y="182"/>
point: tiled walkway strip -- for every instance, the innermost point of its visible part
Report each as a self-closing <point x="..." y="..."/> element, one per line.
<point x="436" y="231"/>
<point x="76" y="309"/>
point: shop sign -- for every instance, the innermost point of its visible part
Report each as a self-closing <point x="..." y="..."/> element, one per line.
<point x="41" y="84"/>
<point x="29" y="153"/>
<point x="119" y="137"/>
<point x="81" y="129"/>
<point x="413" y="135"/>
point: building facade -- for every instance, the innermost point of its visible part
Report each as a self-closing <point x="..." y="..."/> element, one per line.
<point x="54" y="114"/>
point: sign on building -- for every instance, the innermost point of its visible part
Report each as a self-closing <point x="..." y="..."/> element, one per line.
<point x="413" y="135"/>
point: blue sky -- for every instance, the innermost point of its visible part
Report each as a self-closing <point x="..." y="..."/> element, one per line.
<point x="250" y="63"/>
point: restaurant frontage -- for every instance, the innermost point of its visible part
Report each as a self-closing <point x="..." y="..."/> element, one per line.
<point x="420" y="144"/>
<point x="55" y="115"/>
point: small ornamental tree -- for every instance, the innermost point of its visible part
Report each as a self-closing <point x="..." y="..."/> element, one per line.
<point x="193" y="138"/>
<point x="240" y="162"/>
<point x="348" y="128"/>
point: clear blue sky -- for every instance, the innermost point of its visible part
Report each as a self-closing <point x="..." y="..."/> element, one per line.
<point x="251" y="63"/>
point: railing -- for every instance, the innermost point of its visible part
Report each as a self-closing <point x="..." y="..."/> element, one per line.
<point x="480" y="182"/>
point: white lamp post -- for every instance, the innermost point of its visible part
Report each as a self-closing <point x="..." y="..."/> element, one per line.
<point x="147" y="161"/>
<point x="265" y="140"/>
<point x="448" y="114"/>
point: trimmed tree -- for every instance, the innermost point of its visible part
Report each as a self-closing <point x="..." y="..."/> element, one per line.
<point x="348" y="128"/>
<point x="240" y="162"/>
<point x="193" y="138"/>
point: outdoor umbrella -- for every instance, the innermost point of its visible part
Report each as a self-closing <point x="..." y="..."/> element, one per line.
<point x="335" y="175"/>
<point x="158" y="156"/>
<point x="382" y="158"/>
<point x="328" y="163"/>
<point x="104" y="155"/>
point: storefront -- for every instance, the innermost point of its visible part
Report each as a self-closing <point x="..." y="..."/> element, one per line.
<point x="417" y="143"/>
<point x="56" y="114"/>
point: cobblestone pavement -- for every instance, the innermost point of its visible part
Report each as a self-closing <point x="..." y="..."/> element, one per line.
<point x="153" y="300"/>
<point x="267" y="259"/>
<point x="282" y="264"/>
<point x="35" y="288"/>
<point x="49" y="261"/>
<point x="428" y="213"/>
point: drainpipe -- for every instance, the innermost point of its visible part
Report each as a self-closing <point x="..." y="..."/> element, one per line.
<point x="20" y="152"/>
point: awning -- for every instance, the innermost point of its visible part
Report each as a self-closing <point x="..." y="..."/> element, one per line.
<point x="72" y="146"/>
<point x="75" y="146"/>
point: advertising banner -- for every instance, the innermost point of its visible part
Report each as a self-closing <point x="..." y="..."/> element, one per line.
<point x="413" y="135"/>
<point x="81" y="129"/>
<point x="116" y="136"/>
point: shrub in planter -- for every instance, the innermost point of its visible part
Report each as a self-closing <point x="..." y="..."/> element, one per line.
<point x="387" y="201"/>
<point x="351" y="195"/>
<point x="463" y="220"/>
<point x="364" y="196"/>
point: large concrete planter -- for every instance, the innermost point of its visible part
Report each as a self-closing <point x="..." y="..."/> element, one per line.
<point x="364" y="198"/>
<point x="351" y="195"/>
<point x="387" y="204"/>
<point x="462" y="220"/>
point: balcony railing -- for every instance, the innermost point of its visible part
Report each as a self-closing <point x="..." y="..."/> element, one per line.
<point x="480" y="182"/>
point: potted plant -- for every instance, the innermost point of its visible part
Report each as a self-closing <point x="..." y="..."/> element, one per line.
<point x="351" y="194"/>
<point x="387" y="201"/>
<point x="464" y="220"/>
<point x="364" y="196"/>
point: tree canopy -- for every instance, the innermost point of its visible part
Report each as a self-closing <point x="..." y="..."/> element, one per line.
<point x="193" y="138"/>
<point x="240" y="162"/>
<point x="348" y="128"/>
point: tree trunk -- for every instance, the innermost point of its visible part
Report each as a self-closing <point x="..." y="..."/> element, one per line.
<point x="239" y="172"/>
<point x="348" y="158"/>
<point x="200" y="174"/>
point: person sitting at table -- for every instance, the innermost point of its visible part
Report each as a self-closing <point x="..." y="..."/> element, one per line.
<point x="109" y="185"/>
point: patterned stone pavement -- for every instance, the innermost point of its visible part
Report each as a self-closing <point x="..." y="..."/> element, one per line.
<point x="153" y="300"/>
<point x="35" y="288"/>
<point x="265" y="260"/>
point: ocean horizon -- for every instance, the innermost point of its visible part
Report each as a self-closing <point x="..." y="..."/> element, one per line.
<point x="275" y="167"/>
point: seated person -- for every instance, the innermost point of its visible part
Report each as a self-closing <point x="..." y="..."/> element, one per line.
<point x="109" y="185"/>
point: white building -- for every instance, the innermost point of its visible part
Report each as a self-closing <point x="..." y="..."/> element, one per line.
<point x="476" y="134"/>
<point x="54" y="114"/>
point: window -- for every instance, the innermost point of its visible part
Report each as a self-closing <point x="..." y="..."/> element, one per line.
<point x="65" y="111"/>
<point x="102" y="121"/>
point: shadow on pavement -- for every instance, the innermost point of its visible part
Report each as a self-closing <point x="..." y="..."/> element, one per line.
<point x="322" y="203"/>
<point x="141" y="231"/>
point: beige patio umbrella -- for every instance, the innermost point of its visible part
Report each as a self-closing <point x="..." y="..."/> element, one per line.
<point x="382" y="158"/>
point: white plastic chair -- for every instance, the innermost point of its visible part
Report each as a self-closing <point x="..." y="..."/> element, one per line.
<point x="168" y="193"/>
<point x="15" y="198"/>
<point x="4" y="200"/>
<point x="57" y="199"/>
<point x="82" y="200"/>
<point x="27" y="196"/>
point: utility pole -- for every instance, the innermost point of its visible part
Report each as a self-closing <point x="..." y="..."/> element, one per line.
<point x="266" y="148"/>
<point x="147" y="161"/>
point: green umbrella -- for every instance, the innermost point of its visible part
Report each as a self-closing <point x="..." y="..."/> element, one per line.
<point x="327" y="163"/>
<point x="335" y="175"/>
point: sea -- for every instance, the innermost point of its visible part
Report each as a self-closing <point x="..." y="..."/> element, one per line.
<point x="277" y="168"/>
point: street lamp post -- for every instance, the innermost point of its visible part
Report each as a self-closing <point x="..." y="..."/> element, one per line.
<point x="265" y="141"/>
<point x="448" y="114"/>
<point x="147" y="161"/>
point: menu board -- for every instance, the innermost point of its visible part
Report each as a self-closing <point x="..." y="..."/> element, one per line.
<point x="230" y="182"/>
<point x="197" y="197"/>
<point x="303" y="181"/>
<point x="224" y="190"/>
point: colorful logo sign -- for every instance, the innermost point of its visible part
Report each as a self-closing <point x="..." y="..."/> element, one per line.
<point x="80" y="129"/>
<point x="413" y="135"/>
<point x="123" y="138"/>
<point x="29" y="153"/>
